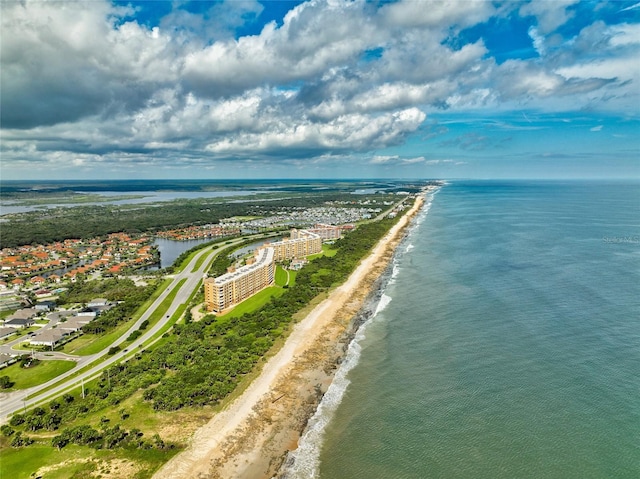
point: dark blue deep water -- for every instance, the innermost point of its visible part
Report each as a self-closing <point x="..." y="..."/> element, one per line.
<point x="506" y="344"/>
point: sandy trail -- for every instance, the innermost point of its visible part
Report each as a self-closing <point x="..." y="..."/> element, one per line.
<point x="250" y="438"/>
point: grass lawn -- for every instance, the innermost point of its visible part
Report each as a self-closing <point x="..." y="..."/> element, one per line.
<point x="5" y="314"/>
<point x="201" y="260"/>
<point x="328" y="250"/>
<point x="282" y="277"/>
<point x="20" y="463"/>
<point x="41" y="373"/>
<point x="256" y="301"/>
<point x="94" y="343"/>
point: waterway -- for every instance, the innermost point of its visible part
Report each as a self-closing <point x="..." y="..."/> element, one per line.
<point x="146" y="197"/>
<point x="171" y="249"/>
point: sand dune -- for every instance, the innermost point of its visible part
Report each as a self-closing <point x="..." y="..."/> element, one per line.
<point x="250" y="438"/>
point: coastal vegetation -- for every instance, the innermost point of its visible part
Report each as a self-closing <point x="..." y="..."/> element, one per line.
<point x="83" y="222"/>
<point x="195" y="364"/>
<point x="67" y="197"/>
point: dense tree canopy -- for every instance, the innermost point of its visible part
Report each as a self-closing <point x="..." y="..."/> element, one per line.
<point x="198" y="363"/>
<point x="83" y="222"/>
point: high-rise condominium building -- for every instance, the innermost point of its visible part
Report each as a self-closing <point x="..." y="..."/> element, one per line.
<point x="302" y="243"/>
<point x="235" y="286"/>
<point x="326" y="232"/>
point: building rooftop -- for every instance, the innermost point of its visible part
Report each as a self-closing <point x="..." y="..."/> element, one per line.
<point x="263" y="256"/>
<point x="48" y="336"/>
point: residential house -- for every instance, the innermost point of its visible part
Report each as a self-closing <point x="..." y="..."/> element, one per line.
<point x="60" y="316"/>
<point x="49" y="337"/>
<point x="6" y="359"/>
<point x="19" y="323"/>
<point x="45" y="305"/>
<point x="97" y="302"/>
<point x="74" y="324"/>
<point x="37" y="280"/>
<point x="25" y="313"/>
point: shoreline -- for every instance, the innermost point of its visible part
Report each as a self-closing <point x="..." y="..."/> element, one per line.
<point x="253" y="435"/>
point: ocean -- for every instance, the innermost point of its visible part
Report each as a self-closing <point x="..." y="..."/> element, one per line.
<point x="506" y="343"/>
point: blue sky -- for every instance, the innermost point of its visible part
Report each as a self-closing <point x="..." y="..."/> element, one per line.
<point x="320" y="89"/>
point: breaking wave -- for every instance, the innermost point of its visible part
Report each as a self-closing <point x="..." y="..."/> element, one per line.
<point x="304" y="462"/>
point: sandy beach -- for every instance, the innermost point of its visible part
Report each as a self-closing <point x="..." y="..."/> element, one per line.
<point x="250" y="438"/>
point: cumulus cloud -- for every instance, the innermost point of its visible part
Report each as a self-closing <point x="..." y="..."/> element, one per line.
<point x="85" y="83"/>
<point x="461" y="13"/>
<point x="217" y="23"/>
<point x="538" y="41"/>
<point x="313" y="38"/>
<point x="353" y="132"/>
<point x="550" y="15"/>
<point x="65" y="61"/>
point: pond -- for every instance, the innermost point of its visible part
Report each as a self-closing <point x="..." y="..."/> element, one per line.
<point x="171" y="249"/>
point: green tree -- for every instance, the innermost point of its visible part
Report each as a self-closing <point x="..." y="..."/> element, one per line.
<point x="59" y="441"/>
<point x="6" y="382"/>
<point x="17" y="419"/>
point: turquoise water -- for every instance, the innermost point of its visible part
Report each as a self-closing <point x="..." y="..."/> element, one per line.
<point x="506" y="345"/>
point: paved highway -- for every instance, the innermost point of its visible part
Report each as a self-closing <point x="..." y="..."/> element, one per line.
<point x="15" y="401"/>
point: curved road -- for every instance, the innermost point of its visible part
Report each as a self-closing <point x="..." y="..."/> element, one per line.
<point x="15" y="401"/>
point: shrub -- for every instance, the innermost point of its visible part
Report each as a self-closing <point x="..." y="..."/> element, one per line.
<point x="6" y="382"/>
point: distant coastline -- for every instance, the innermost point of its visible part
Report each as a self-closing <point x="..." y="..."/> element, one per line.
<point x="252" y="436"/>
